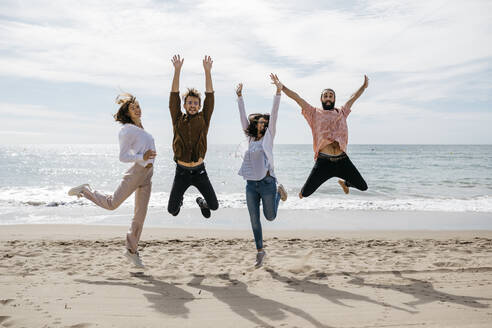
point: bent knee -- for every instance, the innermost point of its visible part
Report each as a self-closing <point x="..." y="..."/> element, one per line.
<point x="112" y="206"/>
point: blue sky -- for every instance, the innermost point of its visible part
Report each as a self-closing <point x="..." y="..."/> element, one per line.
<point x="62" y="63"/>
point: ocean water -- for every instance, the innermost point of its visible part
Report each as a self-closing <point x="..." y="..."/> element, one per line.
<point x="34" y="180"/>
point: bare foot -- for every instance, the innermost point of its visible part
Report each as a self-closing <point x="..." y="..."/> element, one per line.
<point x="344" y="186"/>
<point x="300" y="195"/>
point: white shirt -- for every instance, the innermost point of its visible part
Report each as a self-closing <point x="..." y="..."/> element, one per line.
<point x="255" y="163"/>
<point x="267" y="140"/>
<point x="134" y="142"/>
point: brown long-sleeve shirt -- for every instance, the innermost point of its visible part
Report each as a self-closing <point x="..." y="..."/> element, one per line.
<point x="190" y="132"/>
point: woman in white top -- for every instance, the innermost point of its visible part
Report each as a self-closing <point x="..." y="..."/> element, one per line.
<point x="136" y="146"/>
<point x="257" y="167"/>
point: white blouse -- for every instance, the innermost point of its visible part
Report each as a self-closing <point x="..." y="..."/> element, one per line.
<point x="255" y="163"/>
<point x="134" y="142"/>
<point x="267" y="140"/>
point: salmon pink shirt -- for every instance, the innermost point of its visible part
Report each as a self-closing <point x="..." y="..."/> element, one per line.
<point x="327" y="126"/>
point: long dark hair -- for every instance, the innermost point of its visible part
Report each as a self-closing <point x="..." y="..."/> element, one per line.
<point x="252" y="129"/>
<point x="123" y="113"/>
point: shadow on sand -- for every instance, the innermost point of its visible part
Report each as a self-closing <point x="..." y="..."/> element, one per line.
<point x="423" y="291"/>
<point x="165" y="297"/>
<point x="250" y="306"/>
<point x="331" y="294"/>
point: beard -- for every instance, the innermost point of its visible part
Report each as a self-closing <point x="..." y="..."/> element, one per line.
<point x="328" y="105"/>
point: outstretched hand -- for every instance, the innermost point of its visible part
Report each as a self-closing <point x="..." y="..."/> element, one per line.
<point x="207" y="63"/>
<point x="366" y="82"/>
<point x="177" y="61"/>
<point x="239" y="90"/>
<point x="277" y="82"/>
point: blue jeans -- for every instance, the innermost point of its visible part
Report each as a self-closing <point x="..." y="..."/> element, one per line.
<point x="266" y="190"/>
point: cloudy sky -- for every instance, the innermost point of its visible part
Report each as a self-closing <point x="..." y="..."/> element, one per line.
<point x="62" y="63"/>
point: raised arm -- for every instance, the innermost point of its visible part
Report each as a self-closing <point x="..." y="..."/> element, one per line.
<point x="291" y="94"/>
<point x="272" y="125"/>
<point x="209" y="101"/>
<point x="177" y="63"/>
<point x="358" y="93"/>
<point x="174" y="100"/>
<point x="240" y="103"/>
<point x="207" y="66"/>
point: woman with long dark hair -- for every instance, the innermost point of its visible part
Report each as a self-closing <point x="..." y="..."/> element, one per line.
<point x="257" y="167"/>
<point x="136" y="146"/>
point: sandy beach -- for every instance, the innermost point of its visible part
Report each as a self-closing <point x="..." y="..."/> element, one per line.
<point x="357" y="134"/>
<point x="77" y="276"/>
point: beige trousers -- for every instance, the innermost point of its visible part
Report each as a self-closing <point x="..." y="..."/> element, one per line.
<point x="137" y="179"/>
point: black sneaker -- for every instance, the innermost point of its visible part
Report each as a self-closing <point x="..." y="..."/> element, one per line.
<point x="203" y="207"/>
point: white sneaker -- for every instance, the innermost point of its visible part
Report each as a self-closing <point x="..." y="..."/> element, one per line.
<point x="77" y="191"/>
<point x="283" y="192"/>
<point x="135" y="259"/>
<point x="260" y="256"/>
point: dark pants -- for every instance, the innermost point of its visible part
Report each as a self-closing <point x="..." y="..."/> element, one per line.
<point x="191" y="176"/>
<point x="327" y="167"/>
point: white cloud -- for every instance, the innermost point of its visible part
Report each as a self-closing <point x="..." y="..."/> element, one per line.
<point x="418" y="51"/>
<point x="39" y="112"/>
<point x="21" y="133"/>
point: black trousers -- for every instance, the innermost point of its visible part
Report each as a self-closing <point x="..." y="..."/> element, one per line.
<point x="191" y="176"/>
<point x="327" y="167"/>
